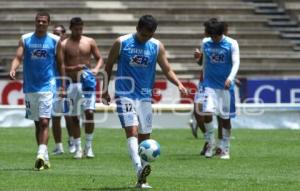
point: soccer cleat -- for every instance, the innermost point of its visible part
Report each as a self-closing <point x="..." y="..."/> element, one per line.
<point x="78" y="154"/>
<point x="202" y="152"/>
<point x="88" y="152"/>
<point x="218" y="151"/>
<point x="143" y="173"/>
<point x="39" y="162"/>
<point x="72" y="147"/>
<point x="209" y="151"/>
<point x="225" y="155"/>
<point x="58" y="151"/>
<point x="194" y="126"/>
<point x="143" y="186"/>
<point x="47" y="165"/>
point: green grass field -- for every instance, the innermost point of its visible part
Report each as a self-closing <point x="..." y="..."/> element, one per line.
<point x="261" y="160"/>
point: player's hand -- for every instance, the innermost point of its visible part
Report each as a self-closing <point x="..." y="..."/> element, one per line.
<point x="105" y="98"/>
<point x="12" y="74"/>
<point x="197" y="54"/>
<point x="227" y="84"/>
<point x="182" y="89"/>
<point x="95" y="71"/>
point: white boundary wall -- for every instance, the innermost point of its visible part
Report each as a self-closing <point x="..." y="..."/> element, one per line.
<point x="254" y="116"/>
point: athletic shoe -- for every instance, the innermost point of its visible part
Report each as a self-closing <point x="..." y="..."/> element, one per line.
<point x="58" y="151"/>
<point x="143" y="186"/>
<point x="72" y="147"/>
<point x="225" y="155"/>
<point x="39" y="162"/>
<point x="142" y="174"/>
<point x="209" y="151"/>
<point x="202" y="152"/>
<point x="218" y="151"/>
<point x="47" y="164"/>
<point x="78" y="154"/>
<point x="194" y="126"/>
<point x="88" y="152"/>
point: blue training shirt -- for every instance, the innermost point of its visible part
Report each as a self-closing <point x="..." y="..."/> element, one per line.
<point x="39" y="62"/>
<point x="218" y="61"/>
<point x="136" y="68"/>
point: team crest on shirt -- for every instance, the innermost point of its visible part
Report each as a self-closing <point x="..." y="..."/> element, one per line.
<point x="39" y="54"/>
<point x="139" y="61"/>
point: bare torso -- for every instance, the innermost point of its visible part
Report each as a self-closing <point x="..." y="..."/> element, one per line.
<point x="77" y="53"/>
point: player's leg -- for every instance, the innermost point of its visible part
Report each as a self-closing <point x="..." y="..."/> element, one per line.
<point x="200" y="123"/>
<point x="225" y="105"/>
<point x="89" y="103"/>
<point x="56" y="130"/>
<point x="219" y="143"/>
<point x="45" y="102"/>
<point x="69" y="125"/>
<point x="208" y="110"/>
<point x="144" y="113"/>
<point x="89" y="132"/>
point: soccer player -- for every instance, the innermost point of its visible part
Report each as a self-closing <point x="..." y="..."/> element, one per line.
<point x="59" y="108"/>
<point x="221" y="63"/>
<point x="137" y="55"/>
<point x="197" y="120"/>
<point x="78" y="50"/>
<point x="39" y="51"/>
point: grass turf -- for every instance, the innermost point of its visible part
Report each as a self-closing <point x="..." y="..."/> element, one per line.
<point x="261" y="160"/>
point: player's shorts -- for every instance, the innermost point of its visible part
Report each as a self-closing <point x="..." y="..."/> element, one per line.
<point x="60" y="106"/>
<point x="78" y="101"/>
<point x="199" y="96"/>
<point x="135" y="113"/>
<point x="38" y="105"/>
<point x="218" y="101"/>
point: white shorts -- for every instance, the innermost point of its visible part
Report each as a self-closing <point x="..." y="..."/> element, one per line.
<point x="60" y="106"/>
<point x="78" y="101"/>
<point x="135" y="113"/>
<point x="217" y="101"/>
<point x="38" y="105"/>
<point x="199" y="97"/>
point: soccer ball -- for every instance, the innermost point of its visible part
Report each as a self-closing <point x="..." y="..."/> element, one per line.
<point x="149" y="150"/>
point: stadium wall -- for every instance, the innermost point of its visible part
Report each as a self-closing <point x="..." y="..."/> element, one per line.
<point x="253" y="116"/>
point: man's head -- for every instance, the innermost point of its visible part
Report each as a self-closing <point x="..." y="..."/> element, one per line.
<point x="146" y="28"/>
<point x="76" y="27"/>
<point x="42" y="21"/>
<point x="214" y="29"/>
<point x="59" y="30"/>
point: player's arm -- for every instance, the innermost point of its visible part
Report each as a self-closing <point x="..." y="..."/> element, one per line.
<point x="60" y="64"/>
<point x="235" y="64"/>
<point x="16" y="62"/>
<point x="167" y="70"/>
<point x="111" y="60"/>
<point x="97" y="56"/>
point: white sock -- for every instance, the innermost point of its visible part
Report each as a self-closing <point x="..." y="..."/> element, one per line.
<point x="71" y="139"/>
<point x="42" y="149"/>
<point x="59" y="146"/>
<point x="144" y="163"/>
<point x="46" y="155"/>
<point x="226" y="138"/>
<point x="132" y="143"/>
<point x="89" y="139"/>
<point x="209" y="133"/>
<point x="77" y="143"/>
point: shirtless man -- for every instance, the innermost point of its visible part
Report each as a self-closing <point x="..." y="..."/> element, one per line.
<point x="77" y="51"/>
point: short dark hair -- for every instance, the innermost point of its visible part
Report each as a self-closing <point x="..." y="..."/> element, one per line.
<point x="214" y="27"/>
<point x="62" y="27"/>
<point x="75" y="21"/>
<point x="41" y="14"/>
<point x="148" y="22"/>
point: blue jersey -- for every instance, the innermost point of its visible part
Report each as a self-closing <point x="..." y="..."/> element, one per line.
<point x="38" y="63"/>
<point x="218" y="61"/>
<point x="136" y="67"/>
